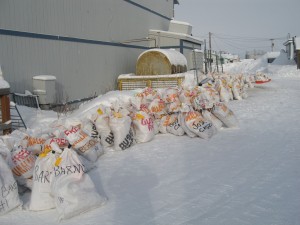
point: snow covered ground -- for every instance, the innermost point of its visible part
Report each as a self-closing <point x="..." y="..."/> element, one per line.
<point x="243" y="176"/>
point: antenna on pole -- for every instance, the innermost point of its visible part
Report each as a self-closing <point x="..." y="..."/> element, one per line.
<point x="272" y="44"/>
<point x="209" y="34"/>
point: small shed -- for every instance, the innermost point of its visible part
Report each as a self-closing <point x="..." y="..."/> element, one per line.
<point x="161" y="62"/>
<point x="297" y="50"/>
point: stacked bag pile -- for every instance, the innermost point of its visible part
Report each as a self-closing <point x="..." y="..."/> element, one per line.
<point x="53" y="164"/>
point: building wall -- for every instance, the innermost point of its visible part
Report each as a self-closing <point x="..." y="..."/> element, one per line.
<point x="79" y="42"/>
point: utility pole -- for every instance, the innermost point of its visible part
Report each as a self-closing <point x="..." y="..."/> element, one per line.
<point x="221" y="60"/>
<point x="209" y="43"/>
<point x="272" y="44"/>
<point x="205" y="56"/>
<point x="217" y="63"/>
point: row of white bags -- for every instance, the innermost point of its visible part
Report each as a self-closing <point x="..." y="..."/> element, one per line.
<point x="59" y="181"/>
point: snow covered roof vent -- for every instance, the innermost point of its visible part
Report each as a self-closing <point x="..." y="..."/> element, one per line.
<point x="160" y="62"/>
<point x="180" y="27"/>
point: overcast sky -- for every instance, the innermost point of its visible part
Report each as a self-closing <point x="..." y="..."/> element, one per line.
<point x="240" y="25"/>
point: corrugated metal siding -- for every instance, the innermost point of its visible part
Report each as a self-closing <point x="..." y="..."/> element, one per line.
<point x="81" y="69"/>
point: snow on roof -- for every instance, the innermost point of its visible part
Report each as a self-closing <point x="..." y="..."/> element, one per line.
<point x="180" y="22"/>
<point x="176" y="36"/>
<point x="3" y="83"/>
<point x="289" y="41"/>
<point x="273" y="54"/>
<point x="175" y="57"/>
<point x="44" y="77"/>
<point x="297" y="43"/>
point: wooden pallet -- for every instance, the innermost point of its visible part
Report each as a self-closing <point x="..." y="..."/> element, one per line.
<point x="131" y="81"/>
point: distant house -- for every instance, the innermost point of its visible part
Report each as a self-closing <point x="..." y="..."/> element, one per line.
<point x="229" y="58"/>
<point x="254" y="54"/>
<point x="289" y="48"/>
<point x="271" y="56"/>
<point x="297" y="51"/>
<point x="292" y="46"/>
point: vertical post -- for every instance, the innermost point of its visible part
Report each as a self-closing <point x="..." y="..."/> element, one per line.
<point x="217" y="63"/>
<point x="205" y="56"/>
<point x="222" y="61"/>
<point x="272" y="44"/>
<point x="209" y="43"/>
<point x="5" y="110"/>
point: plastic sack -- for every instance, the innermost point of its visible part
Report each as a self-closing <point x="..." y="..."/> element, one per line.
<point x="202" y="100"/>
<point x="223" y="113"/>
<point x="143" y="125"/>
<point x="147" y="95"/>
<point x="174" y="126"/>
<point x="121" y="128"/>
<point x="13" y="139"/>
<point x="164" y="123"/>
<point x="181" y="117"/>
<point x="34" y="144"/>
<point x="210" y="117"/>
<point x="61" y="142"/>
<point x="72" y="188"/>
<point x="41" y="198"/>
<point x="102" y="125"/>
<point x="186" y="96"/>
<point x="236" y="89"/>
<point x="4" y="151"/>
<point x="223" y="92"/>
<point x="198" y="125"/>
<point x="171" y="98"/>
<point x="90" y="128"/>
<point x="157" y="107"/>
<point x="83" y="144"/>
<point x="22" y="164"/>
<point x="9" y="197"/>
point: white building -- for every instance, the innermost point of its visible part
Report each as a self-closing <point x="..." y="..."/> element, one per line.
<point x="84" y="44"/>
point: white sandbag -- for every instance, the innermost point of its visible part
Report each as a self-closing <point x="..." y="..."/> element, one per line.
<point x="202" y="100"/>
<point x="83" y="144"/>
<point x="212" y="118"/>
<point x="72" y="188"/>
<point x="102" y="125"/>
<point x="147" y="95"/>
<point x="41" y="198"/>
<point x="61" y="142"/>
<point x="174" y="126"/>
<point x="181" y="117"/>
<point x="164" y="123"/>
<point x="143" y="126"/>
<point x="186" y="96"/>
<point x="212" y="93"/>
<point x="34" y="144"/>
<point x="13" y="139"/>
<point x="22" y="164"/>
<point x="171" y="98"/>
<point x="236" y="91"/>
<point x="90" y="128"/>
<point x="157" y="107"/>
<point x="174" y="106"/>
<point x="223" y="92"/>
<point x="223" y="113"/>
<point x="4" y="151"/>
<point x="9" y="196"/>
<point x="121" y="128"/>
<point x="198" y="125"/>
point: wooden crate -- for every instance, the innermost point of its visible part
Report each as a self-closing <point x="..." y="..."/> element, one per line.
<point x="131" y="81"/>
